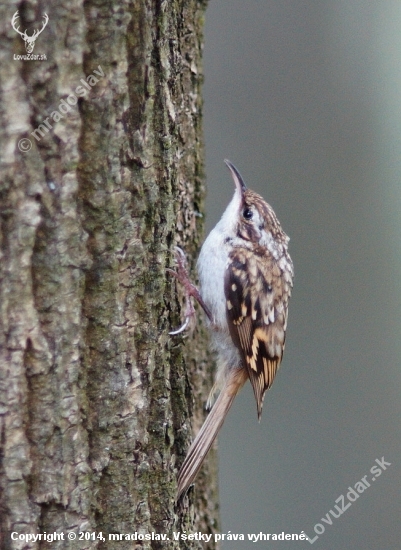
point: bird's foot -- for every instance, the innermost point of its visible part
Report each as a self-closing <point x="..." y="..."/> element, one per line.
<point x="190" y="290"/>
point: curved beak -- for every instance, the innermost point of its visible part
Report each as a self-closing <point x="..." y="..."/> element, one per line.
<point x="239" y="182"/>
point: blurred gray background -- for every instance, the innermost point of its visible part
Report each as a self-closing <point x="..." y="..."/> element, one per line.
<point x="305" y="99"/>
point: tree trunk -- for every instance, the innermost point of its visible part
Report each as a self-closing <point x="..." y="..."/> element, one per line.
<point x="101" y="175"/>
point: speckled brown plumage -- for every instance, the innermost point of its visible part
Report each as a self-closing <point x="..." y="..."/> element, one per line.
<point x="246" y="277"/>
<point x="257" y="288"/>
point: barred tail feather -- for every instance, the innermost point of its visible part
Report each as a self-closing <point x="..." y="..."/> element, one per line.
<point x="207" y="434"/>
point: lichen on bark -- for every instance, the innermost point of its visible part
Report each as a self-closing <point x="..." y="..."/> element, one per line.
<point x="97" y="402"/>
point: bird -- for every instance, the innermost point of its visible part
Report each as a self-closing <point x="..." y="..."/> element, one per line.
<point x="246" y="278"/>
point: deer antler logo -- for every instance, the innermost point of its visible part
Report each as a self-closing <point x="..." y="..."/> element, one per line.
<point x="29" y="40"/>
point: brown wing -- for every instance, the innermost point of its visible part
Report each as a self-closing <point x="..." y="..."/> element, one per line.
<point x="257" y="289"/>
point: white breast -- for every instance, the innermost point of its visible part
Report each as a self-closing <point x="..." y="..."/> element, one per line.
<point x="212" y="263"/>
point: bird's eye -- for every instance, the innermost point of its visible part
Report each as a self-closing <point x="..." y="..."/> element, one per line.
<point x="247" y="213"/>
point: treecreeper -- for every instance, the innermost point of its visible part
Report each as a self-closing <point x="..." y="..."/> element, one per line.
<point x="246" y="276"/>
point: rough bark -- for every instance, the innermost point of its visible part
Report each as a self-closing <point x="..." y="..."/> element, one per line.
<point x="97" y="401"/>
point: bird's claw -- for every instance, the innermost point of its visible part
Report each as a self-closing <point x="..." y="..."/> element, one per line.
<point x="181" y="328"/>
<point x="182" y="275"/>
<point x="182" y="270"/>
<point x="190" y="290"/>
